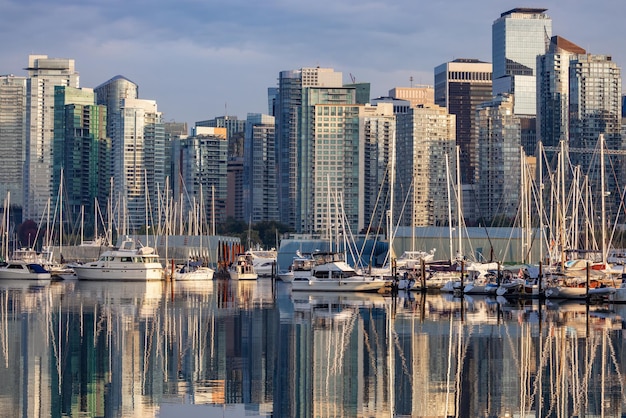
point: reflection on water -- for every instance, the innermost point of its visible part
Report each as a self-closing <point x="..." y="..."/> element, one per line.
<point x="233" y="348"/>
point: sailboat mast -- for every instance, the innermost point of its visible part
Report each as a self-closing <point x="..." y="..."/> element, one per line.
<point x="61" y="214"/>
<point x="449" y="204"/>
<point x="604" y="246"/>
<point x="459" y="199"/>
<point x="392" y="180"/>
<point x="540" y="201"/>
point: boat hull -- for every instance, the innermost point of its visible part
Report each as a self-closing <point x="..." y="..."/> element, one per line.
<point x="118" y="273"/>
<point x="196" y="275"/>
<point x="340" y="285"/>
<point x="19" y="270"/>
<point x="242" y="276"/>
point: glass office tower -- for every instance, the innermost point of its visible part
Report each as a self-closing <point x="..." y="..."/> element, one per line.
<point x="518" y="37"/>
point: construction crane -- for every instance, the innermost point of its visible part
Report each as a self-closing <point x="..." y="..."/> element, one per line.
<point x="352" y="78"/>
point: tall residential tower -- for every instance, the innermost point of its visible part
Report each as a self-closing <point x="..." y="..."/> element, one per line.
<point x="43" y="75"/>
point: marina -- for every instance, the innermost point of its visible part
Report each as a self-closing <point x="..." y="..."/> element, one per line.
<point x="256" y="348"/>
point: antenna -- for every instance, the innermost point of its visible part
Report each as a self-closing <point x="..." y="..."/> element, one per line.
<point x="411" y="80"/>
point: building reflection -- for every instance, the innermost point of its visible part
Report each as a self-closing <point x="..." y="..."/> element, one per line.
<point x="147" y="349"/>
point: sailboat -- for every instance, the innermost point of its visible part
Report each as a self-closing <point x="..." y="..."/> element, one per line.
<point x="584" y="277"/>
<point x="194" y="269"/>
<point x="12" y="269"/>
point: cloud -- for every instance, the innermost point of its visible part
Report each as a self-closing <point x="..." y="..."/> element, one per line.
<point x="198" y="58"/>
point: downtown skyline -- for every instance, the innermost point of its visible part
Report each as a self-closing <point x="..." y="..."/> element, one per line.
<point x="229" y="54"/>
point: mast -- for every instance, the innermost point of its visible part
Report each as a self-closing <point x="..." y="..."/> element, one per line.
<point x="562" y="195"/>
<point x="7" y="220"/>
<point x="61" y="213"/>
<point x="459" y="199"/>
<point x="392" y="179"/>
<point x="604" y="246"/>
<point x="213" y="209"/>
<point x="523" y="211"/>
<point x="540" y="201"/>
<point x="449" y="204"/>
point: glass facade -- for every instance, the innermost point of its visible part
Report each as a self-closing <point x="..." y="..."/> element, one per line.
<point x="518" y="37"/>
<point x="425" y="137"/>
<point x="81" y="152"/>
<point x="200" y="163"/>
<point x="553" y="91"/>
<point x="13" y="134"/>
<point x="460" y="86"/>
<point x="337" y="124"/>
<point x="293" y="139"/>
<point x="595" y="90"/>
<point x="499" y="138"/>
<point x="139" y="162"/>
<point x="43" y="75"/>
<point x="260" y="198"/>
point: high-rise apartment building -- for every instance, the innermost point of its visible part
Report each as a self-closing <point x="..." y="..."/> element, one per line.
<point x="13" y="137"/>
<point x="292" y="133"/>
<point x="81" y="153"/>
<point x="43" y="75"/>
<point x="595" y="105"/>
<point x="553" y="91"/>
<point x="139" y="163"/>
<point x="460" y="86"/>
<point x="200" y="163"/>
<point x="331" y="195"/>
<point x="234" y="131"/>
<point x="329" y="122"/>
<point x="377" y="125"/>
<point x="260" y="197"/>
<point x="425" y="140"/>
<point x="235" y="187"/>
<point x="499" y="167"/>
<point x="111" y="94"/>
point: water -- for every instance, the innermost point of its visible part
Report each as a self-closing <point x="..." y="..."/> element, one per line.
<point x="232" y="349"/>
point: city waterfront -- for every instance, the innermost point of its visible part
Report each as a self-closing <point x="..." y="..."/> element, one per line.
<point x="255" y="348"/>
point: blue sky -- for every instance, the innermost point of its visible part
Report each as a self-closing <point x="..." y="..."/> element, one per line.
<point x="202" y="58"/>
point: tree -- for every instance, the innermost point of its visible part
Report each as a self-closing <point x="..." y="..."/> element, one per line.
<point x="26" y="233"/>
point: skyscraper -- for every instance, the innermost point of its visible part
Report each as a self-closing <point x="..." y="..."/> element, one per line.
<point x="13" y="134"/>
<point x="553" y="91"/>
<point x="111" y="94"/>
<point x="425" y="136"/>
<point x="43" y="75"/>
<point x="378" y="127"/>
<point x="329" y="122"/>
<point x="460" y="86"/>
<point x="260" y="198"/>
<point x="499" y="168"/>
<point x="139" y="162"/>
<point x="290" y="133"/>
<point x="595" y="104"/>
<point x="200" y="163"/>
<point x="81" y="152"/>
<point x="518" y="37"/>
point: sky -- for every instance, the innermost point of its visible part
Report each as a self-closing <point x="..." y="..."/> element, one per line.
<point x="200" y="59"/>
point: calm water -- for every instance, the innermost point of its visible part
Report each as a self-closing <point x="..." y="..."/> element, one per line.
<point x="233" y="349"/>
